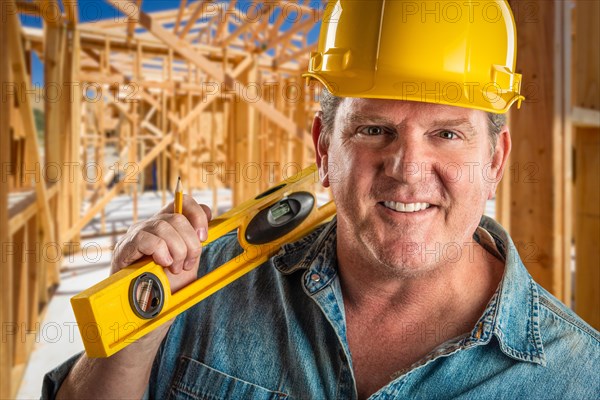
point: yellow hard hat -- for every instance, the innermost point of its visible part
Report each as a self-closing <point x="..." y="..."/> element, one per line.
<point x="460" y="53"/>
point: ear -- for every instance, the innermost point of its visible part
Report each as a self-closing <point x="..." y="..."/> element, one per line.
<point x="321" y="148"/>
<point x="499" y="159"/>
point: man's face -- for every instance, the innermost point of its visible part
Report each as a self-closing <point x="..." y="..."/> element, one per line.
<point x="410" y="180"/>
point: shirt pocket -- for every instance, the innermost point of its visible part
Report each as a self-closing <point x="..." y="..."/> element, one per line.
<point x="196" y="380"/>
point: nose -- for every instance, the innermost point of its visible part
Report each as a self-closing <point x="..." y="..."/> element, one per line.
<point x="406" y="161"/>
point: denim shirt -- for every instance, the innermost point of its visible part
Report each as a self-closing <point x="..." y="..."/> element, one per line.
<point x="280" y="332"/>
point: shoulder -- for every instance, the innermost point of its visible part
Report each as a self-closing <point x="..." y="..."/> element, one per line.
<point x="559" y="321"/>
<point x="571" y="348"/>
<point x="559" y="326"/>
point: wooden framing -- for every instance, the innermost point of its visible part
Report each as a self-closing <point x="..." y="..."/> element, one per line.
<point x="210" y="93"/>
<point x="210" y="82"/>
<point x="6" y="346"/>
<point x="27" y="273"/>
<point x="22" y="79"/>
<point x="168" y="100"/>
<point x="538" y="165"/>
<point x="131" y="68"/>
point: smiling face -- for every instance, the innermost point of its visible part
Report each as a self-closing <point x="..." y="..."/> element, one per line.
<point x="410" y="180"/>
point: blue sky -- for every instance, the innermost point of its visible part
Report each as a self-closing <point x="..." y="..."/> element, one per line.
<point x="94" y="10"/>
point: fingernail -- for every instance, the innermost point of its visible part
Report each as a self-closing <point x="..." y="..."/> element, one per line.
<point x="169" y="260"/>
<point x="202" y="234"/>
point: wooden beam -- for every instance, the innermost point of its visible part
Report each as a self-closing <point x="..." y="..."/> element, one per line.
<point x="19" y="290"/>
<point x="276" y="26"/>
<point x="224" y="22"/>
<point x="251" y="132"/>
<point x="28" y="7"/>
<point x="33" y="276"/>
<point x="198" y="12"/>
<point x="72" y="12"/>
<point x="6" y="346"/>
<point x="72" y="68"/>
<point x="538" y="165"/>
<point x="242" y="66"/>
<point x="49" y="15"/>
<point x="22" y="80"/>
<point x="502" y="214"/>
<point x="131" y="23"/>
<point x="563" y="18"/>
<point x="54" y="49"/>
<point x="150" y="114"/>
<point x="182" y="5"/>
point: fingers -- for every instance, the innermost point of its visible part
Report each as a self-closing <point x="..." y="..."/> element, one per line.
<point x="182" y="241"/>
<point x="134" y="246"/>
<point x="173" y="240"/>
<point x="207" y="211"/>
<point x="197" y="214"/>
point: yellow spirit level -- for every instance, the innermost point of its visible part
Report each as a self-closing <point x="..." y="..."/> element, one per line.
<point x="134" y="301"/>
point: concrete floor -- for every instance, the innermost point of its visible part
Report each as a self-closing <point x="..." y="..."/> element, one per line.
<point x="58" y="337"/>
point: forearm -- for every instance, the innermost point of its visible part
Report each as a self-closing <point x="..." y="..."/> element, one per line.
<point x="172" y="240"/>
<point x="124" y="375"/>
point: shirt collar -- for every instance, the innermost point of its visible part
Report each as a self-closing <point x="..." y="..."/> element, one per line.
<point x="512" y="314"/>
<point x="315" y="253"/>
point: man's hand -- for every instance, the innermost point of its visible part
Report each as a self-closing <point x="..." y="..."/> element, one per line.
<point x="173" y="241"/>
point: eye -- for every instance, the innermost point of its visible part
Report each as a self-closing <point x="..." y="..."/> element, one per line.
<point x="371" y="130"/>
<point x="448" y="135"/>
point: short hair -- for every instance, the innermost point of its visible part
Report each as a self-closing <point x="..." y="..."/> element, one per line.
<point x="330" y="104"/>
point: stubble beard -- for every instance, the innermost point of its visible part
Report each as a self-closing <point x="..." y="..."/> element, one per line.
<point x="399" y="260"/>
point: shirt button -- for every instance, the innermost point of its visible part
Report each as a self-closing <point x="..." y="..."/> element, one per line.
<point x="315" y="278"/>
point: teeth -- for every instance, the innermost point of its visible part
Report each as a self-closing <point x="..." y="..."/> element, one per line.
<point x="406" y="207"/>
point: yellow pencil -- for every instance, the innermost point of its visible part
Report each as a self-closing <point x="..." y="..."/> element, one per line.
<point x="178" y="205"/>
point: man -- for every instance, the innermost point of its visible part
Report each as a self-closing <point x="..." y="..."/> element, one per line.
<point x="409" y="292"/>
